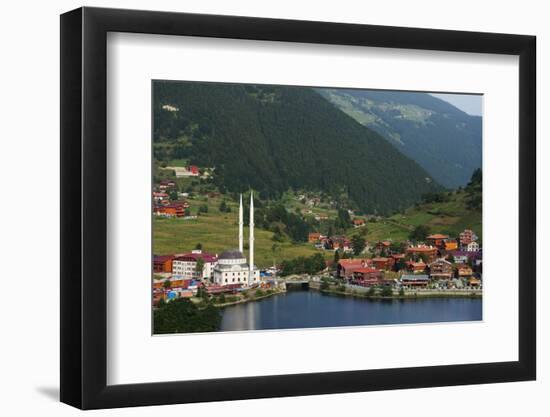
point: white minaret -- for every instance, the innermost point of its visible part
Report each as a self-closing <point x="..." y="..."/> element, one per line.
<point x="251" y="243"/>
<point x="241" y="224"/>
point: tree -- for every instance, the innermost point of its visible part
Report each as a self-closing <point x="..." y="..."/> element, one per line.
<point x="358" y="243"/>
<point x="386" y="291"/>
<point x="203" y="208"/>
<point x="199" y="267"/>
<point x="336" y="257"/>
<point x="224" y="207"/>
<point x="419" y="233"/>
<point x="343" y="221"/>
<point x="202" y="293"/>
<point x="182" y="316"/>
<point x="198" y="246"/>
<point x="167" y="284"/>
<point x="173" y="195"/>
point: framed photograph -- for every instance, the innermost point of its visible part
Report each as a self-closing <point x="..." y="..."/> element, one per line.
<point x="258" y="208"/>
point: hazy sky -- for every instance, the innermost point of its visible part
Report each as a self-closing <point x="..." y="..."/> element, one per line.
<point x="468" y="103"/>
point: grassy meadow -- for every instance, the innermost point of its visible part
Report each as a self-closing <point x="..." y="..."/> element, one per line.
<point x="218" y="231"/>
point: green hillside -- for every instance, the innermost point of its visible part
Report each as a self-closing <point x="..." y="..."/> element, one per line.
<point x="272" y="139"/>
<point x="461" y="210"/>
<point x="445" y="141"/>
<point x="216" y="231"/>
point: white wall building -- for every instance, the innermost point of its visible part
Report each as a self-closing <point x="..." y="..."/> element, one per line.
<point x="185" y="266"/>
<point x="472" y="247"/>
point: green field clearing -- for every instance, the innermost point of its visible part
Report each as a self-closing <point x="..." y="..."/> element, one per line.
<point x="217" y="232"/>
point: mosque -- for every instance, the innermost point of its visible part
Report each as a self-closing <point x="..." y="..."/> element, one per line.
<point x="232" y="267"/>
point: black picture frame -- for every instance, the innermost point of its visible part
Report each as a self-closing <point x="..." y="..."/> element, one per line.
<point x="84" y="207"/>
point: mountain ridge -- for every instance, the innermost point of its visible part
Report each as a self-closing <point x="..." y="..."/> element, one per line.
<point x="289" y="137"/>
<point x="443" y="139"/>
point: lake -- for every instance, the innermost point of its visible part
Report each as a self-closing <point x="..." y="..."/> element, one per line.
<point x="306" y="309"/>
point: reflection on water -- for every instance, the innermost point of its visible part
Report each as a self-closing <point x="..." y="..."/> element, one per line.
<point x="305" y="309"/>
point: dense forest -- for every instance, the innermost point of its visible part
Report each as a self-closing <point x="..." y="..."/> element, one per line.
<point x="441" y="138"/>
<point x="272" y="139"/>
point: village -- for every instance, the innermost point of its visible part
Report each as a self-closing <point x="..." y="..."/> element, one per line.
<point x="436" y="265"/>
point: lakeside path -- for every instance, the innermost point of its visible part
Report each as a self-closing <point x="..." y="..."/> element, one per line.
<point x="361" y="292"/>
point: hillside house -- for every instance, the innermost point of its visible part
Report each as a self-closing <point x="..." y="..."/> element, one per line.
<point x="382" y="263"/>
<point x="338" y="242"/>
<point x="441" y="269"/>
<point x="358" y="223"/>
<point x="169" y="210"/>
<point x="314" y="237"/>
<point x="162" y="263"/>
<point x="416" y="267"/>
<point x="382" y="246"/>
<point x="367" y="277"/>
<point x="367" y="273"/>
<point x="346" y="267"/>
<point x="437" y="240"/>
<point x="160" y="196"/>
<point x="427" y="251"/>
<point x="450" y="244"/>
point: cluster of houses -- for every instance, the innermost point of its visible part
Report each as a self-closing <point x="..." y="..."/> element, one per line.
<point x="164" y="206"/>
<point x="441" y="262"/>
<point x="321" y="241"/>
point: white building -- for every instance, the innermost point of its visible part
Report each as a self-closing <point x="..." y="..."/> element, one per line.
<point x="472" y="247"/>
<point x="185" y="266"/>
<point x="232" y="267"/>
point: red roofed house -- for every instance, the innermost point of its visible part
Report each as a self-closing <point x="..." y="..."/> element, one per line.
<point x="314" y="237"/>
<point x="193" y="169"/>
<point x="383" y="245"/>
<point x="437" y="240"/>
<point x="159" y="196"/>
<point x="162" y="263"/>
<point x="430" y="252"/>
<point x="383" y="263"/>
<point x="185" y="265"/>
<point x="339" y="242"/>
<point x="367" y="273"/>
<point x="416" y="267"/>
<point x="169" y="210"/>
<point x="367" y="277"/>
<point x="346" y="267"/>
<point x="358" y="222"/>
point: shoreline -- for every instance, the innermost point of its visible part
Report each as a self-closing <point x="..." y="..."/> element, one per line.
<point x="409" y="295"/>
<point x="250" y="299"/>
